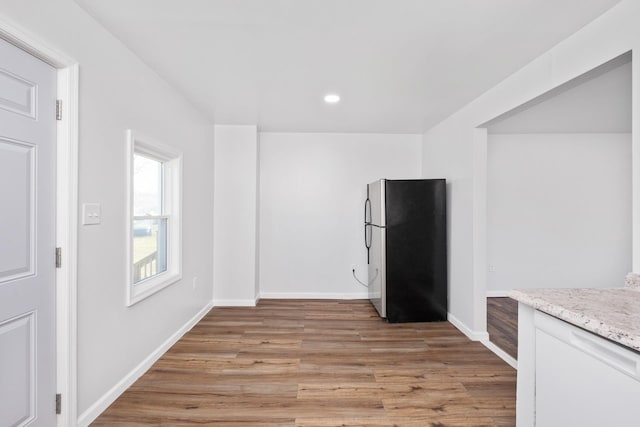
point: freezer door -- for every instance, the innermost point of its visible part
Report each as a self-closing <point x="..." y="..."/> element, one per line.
<point x="375" y="234"/>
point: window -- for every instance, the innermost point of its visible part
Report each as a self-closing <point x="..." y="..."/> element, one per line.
<point x="154" y="228"/>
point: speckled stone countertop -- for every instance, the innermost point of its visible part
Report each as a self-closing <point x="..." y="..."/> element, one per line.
<point x="611" y="313"/>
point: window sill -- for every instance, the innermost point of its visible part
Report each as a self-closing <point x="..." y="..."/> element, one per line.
<point x="148" y="287"/>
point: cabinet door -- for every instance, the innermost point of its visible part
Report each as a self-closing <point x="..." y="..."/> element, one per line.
<point x="582" y="379"/>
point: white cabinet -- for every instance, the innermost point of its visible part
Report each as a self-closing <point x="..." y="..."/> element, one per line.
<point x="575" y="378"/>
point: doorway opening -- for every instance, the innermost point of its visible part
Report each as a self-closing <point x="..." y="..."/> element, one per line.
<point x="558" y="193"/>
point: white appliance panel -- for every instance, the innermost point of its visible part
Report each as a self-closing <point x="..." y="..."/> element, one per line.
<point x="376" y="268"/>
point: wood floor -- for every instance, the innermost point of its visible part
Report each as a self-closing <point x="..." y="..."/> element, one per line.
<point x="319" y="363"/>
<point x="502" y="324"/>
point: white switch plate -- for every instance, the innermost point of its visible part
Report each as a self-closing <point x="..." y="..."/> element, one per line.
<point x="90" y="213"/>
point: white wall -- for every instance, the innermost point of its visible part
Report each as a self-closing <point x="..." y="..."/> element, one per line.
<point x="559" y="211"/>
<point x="312" y="192"/>
<point x="448" y="148"/>
<point x="235" y="215"/>
<point x="118" y="92"/>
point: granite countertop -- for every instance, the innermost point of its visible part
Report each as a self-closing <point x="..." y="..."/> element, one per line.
<point x="611" y="313"/>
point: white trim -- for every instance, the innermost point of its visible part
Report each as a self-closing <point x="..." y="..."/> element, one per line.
<point x="312" y="295"/>
<point x="34" y="46"/>
<point x="66" y="211"/>
<point x="88" y="416"/>
<point x="501" y="354"/>
<point x="235" y="302"/>
<point x="471" y="334"/>
<point x="498" y="294"/>
<point x="67" y="239"/>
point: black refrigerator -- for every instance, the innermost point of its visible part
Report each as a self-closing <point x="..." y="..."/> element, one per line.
<point x="406" y="241"/>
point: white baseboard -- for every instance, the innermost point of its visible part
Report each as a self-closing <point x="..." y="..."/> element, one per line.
<point x="501" y="353"/>
<point x="312" y="295"/>
<point x="471" y="334"/>
<point x="88" y="416"/>
<point x="235" y="302"/>
<point x="498" y="294"/>
<point x="483" y="337"/>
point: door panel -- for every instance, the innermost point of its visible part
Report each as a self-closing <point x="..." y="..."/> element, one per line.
<point x="17" y="367"/>
<point x="18" y="95"/>
<point x="27" y="239"/>
<point x="17" y="195"/>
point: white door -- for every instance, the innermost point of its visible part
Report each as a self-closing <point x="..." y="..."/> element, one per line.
<point x="27" y="239"/>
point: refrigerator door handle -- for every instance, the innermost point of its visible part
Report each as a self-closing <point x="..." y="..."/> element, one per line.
<point x="367" y="210"/>
<point x="367" y="238"/>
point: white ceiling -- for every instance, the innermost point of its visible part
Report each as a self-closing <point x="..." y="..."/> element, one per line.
<point x="400" y="66"/>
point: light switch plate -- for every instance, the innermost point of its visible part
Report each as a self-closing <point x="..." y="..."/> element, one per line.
<point x="90" y="213"/>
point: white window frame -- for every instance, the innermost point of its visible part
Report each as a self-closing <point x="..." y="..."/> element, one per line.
<point x="138" y="143"/>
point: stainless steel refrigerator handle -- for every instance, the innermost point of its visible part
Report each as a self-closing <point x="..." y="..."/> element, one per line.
<point x="367" y="244"/>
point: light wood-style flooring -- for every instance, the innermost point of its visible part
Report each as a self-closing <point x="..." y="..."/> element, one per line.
<point x="502" y="324"/>
<point x="319" y="363"/>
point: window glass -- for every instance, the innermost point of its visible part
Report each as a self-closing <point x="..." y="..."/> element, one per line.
<point x="147" y="186"/>
<point x="149" y="235"/>
<point x="149" y="248"/>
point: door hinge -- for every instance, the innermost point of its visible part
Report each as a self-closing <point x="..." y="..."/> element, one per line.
<point x="58" y="109"/>
<point x="58" y="404"/>
<point x="58" y="257"/>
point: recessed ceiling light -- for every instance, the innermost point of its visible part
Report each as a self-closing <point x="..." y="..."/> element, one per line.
<point x="332" y="98"/>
